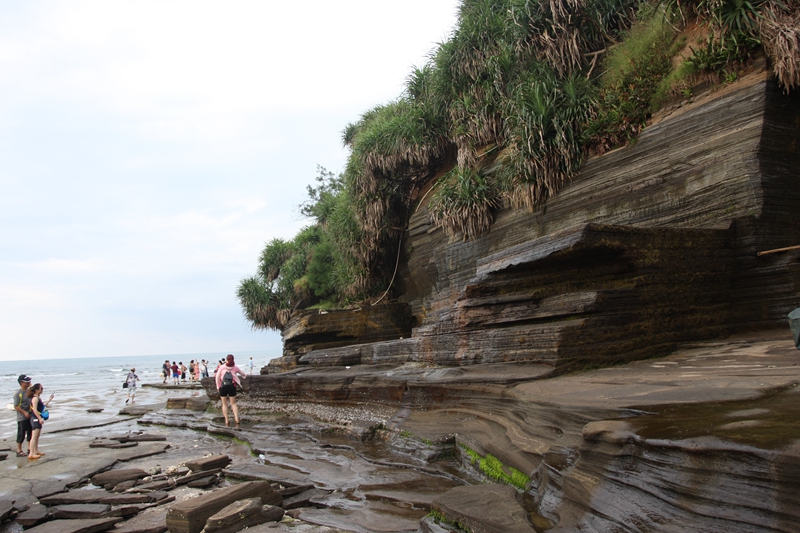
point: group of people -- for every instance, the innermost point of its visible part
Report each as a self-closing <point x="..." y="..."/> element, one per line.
<point x="196" y="371"/>
<point x="31" y="414"/>
<point x="226" y="375"/>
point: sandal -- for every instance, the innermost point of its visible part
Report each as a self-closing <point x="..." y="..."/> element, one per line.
<point x="22" y="454"/>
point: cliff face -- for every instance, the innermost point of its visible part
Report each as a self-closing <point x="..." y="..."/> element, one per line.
<point x="649" y="245"/>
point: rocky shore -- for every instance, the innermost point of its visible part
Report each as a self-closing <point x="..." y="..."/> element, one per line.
<point x="704" y="439"/>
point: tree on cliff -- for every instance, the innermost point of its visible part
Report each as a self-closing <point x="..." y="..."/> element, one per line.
<point x="502" y="115"/>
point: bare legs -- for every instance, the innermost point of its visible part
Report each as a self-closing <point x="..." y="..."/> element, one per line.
<point x="33" y="445"/>
<point x="232" y="400"/>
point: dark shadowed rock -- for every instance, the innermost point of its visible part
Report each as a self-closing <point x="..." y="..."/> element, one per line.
<point x="190" y="516"/>
<point x="242" y="514"/>
<point x="76" y="526"/>
<point x="484" y="509"/>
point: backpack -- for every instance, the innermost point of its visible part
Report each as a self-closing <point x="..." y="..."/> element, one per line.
<point x="227" y="378"/>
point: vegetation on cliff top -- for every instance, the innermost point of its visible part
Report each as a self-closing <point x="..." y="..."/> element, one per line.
<point x="502" y="115"/>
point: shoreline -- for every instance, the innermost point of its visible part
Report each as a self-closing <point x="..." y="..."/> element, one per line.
<point x="420" y="454"/>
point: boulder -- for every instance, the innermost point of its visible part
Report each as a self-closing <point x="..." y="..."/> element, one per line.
<point x="242" y="514"/>
<point x="190" y="516"/>
<point x="208" y="463"/>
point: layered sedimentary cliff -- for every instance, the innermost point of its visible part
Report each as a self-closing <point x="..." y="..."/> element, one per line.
<point x="650" y="246"/>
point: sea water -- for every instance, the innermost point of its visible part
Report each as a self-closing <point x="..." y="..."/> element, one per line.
<point x="96" y="382"/>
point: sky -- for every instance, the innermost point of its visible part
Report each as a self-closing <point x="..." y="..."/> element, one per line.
<point x="149" y="150"/>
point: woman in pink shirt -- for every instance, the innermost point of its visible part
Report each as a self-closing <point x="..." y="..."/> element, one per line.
<point x="227" y="379"/>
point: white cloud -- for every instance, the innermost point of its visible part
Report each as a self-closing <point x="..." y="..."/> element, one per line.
<point x="149" y="149"/>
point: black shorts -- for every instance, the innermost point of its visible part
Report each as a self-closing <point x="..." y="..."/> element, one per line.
<point x="228" y="390"/>
<point x="35" y="423"/>
<point x="24" y="429"/>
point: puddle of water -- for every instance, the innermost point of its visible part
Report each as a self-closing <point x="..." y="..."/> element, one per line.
<point x="771" y="421"/>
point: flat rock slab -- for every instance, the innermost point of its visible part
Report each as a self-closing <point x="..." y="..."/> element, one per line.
<point x="484" y="509"/>
<point x="76" y="526"/>
<point x="6" y="506"/>
<point x="113" y="444"/>
<point x="242" y="514"/>
<point x="144" y="437"/>
<point x="190" y="516"/>
<point x="112" y="478"/>
<point x="150" y="522"/>
<point x="35" y="514"/>
<point x="76" y="496"/>
<point x="139" y="410"/>
<point x="191" y="404"/>
<point x="125" y="498"/>
<point x="208" y="463"/>
<point x="81" y="510"/>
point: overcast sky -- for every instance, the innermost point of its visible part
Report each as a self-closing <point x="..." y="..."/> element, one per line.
<point x="149" y="149"/>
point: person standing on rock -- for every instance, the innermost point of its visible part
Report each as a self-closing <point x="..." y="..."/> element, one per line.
<point x="251" y="363"/>
<point x="204" y="373"/>
<point x="22" y="405"/>
<point x="176" y="373"/>
<point x="227" y="379"/>
<point x="131" y="380"/>
<point x="183" y="372"/>
<point x="166" y="370"/>
<point x="38" y="408"/>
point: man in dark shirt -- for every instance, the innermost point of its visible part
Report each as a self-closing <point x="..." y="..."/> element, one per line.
<point x="22" y="405"/>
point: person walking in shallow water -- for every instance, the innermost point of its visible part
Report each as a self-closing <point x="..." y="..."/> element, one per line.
<point x="227" y="379"/>
<point x="22" y="405"/>
<point x="37" y="418"/>
<point x="131" y="380"/>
